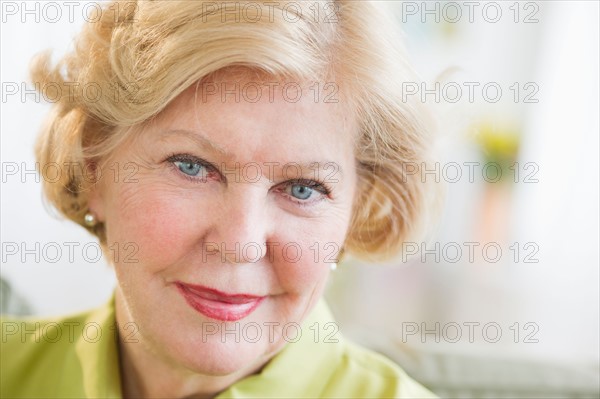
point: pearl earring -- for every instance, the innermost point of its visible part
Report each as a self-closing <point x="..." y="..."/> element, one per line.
<point x="333" y="266"/>
<point x="90" y="219"/>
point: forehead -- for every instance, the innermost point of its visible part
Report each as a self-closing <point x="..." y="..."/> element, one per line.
<point x="260" y="118"/>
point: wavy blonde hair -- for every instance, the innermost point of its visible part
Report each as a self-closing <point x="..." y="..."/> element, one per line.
<point x="140" y="55"/>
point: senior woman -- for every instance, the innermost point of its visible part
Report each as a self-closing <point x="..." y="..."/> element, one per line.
<point x="232" y="152"/>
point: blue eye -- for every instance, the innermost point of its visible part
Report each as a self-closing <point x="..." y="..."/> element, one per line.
<point x="191" y="168"/>
<point x="301" y="192"/>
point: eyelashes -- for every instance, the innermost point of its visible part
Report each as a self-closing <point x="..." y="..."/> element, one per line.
<point x="190" y="166"/>
<point x="198" y="170"/>
<point x="312" y="184"/>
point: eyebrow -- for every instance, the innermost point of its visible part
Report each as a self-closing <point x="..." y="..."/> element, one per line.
<point x="306" y="168"/>
<point x="199" y="139"/>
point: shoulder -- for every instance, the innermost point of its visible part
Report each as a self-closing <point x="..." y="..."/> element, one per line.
<point x="42" y="356"/>
<point x="26" y="337"/>
<point x="342" y="368"/>
<point x="365" y="373"/>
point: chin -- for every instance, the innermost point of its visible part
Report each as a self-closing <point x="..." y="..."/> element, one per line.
<point x="219" y="359"/>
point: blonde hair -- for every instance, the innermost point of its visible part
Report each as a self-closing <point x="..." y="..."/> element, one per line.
<point x="140" y="55"/>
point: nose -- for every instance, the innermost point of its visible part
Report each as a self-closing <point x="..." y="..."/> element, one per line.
<point x="241" y="231"/>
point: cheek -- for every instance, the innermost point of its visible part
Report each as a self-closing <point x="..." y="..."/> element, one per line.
<point x="307" y="248"/>
<point x="153" y="219"/>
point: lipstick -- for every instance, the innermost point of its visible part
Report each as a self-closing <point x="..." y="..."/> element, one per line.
<point x="216" y="304"/>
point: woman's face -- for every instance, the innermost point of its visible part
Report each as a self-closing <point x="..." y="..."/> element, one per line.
<point x="222" y="218"/>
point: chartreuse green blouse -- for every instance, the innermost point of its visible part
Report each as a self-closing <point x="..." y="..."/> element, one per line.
<point x="77" y="357"/>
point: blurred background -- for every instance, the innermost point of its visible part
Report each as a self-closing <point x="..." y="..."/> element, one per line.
<point x="501" y="299"/>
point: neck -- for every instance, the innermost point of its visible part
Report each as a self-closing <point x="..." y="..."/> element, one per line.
<point x="145" y="374"/>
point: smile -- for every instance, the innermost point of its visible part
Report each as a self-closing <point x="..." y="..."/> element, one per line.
<point x="218" y="305"/>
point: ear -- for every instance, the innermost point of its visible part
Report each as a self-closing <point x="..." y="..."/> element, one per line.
<point x="96" y="197"/>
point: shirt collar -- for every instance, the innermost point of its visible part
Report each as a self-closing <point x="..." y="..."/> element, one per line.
<point x="300" y="369"/>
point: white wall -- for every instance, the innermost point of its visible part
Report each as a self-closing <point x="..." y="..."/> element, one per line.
<point x="69" y="284"/>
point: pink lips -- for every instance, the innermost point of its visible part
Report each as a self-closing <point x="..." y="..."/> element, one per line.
<point x="218" y="305"/>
